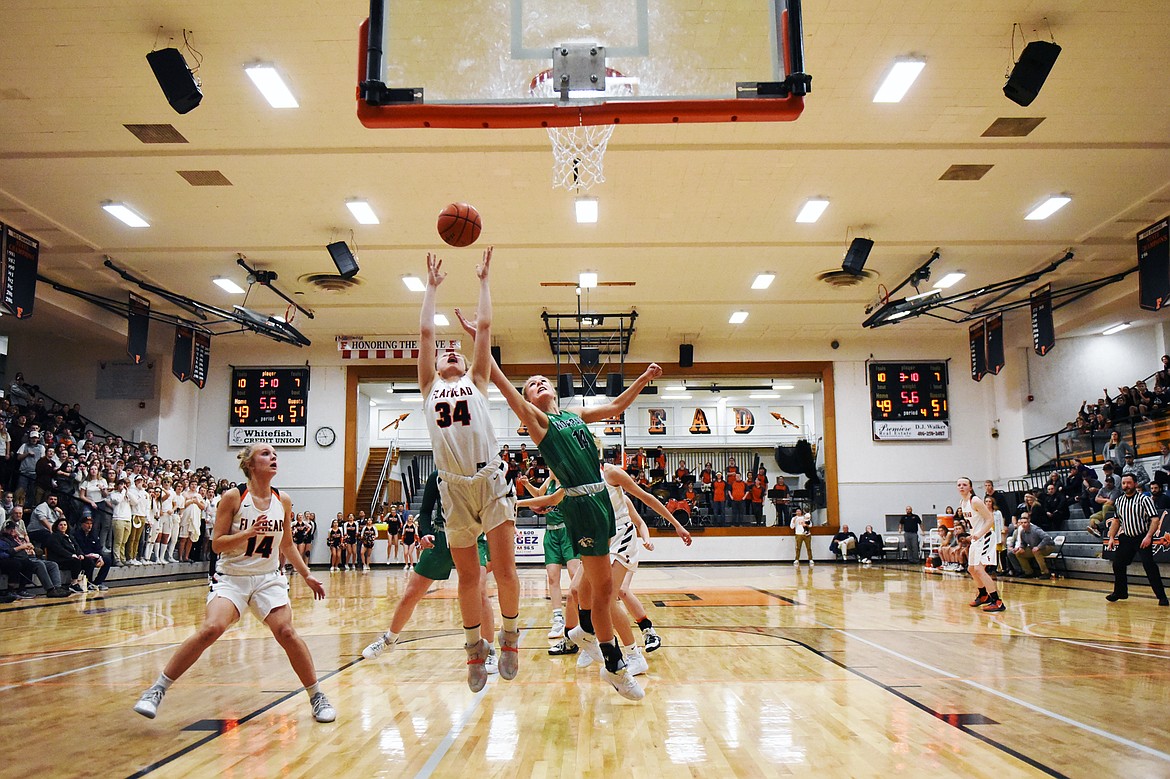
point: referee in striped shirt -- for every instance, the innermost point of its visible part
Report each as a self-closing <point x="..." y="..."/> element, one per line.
<point x="1131" y="533"/>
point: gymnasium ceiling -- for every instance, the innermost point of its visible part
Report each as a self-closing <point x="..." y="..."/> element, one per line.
<point x="691" y="213"/>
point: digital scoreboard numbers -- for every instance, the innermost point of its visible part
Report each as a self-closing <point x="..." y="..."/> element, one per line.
<point x="908" y="401"/>
<point x="269" y="405"/>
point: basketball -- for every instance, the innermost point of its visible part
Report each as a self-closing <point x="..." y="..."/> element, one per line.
<point x="459" y="224"/>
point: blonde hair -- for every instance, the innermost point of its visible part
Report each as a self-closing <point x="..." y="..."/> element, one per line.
<point x="244" y="456"/>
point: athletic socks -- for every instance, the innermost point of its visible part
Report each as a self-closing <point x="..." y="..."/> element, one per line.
<point x="313" y="690"/>
<point x="509" y="624"/>
<point x="471" y="635"/>
<point x="993" y="597"/>
<point x="645" y="624"/>
<point x="390" y="638"/>
<point x="613" y="655"/>
<point x="629" y="650"/>
<point x="983" y="591"/>
<point x="586" y="620"/>
<point x="164" y="681"/>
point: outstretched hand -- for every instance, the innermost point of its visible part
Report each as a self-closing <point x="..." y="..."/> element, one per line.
<point x="435" y="275"/>
<point x="481" y="270"/>
<point x="468" y="325"/>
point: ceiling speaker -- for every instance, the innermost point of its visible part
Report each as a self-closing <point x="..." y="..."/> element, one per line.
<point x="564" y="386"/>
<point x="686" y="355"/>
<point x="175" y="78"/>
<point x="855" y="258"/>
<point x="343" y="258"/>
<point x="1030" y="71"/>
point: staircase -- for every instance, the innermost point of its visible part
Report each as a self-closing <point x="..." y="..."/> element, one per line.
<point x="369" y="480"/>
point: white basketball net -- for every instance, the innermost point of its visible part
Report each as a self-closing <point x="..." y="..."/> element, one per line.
<point x="578" y="152"/>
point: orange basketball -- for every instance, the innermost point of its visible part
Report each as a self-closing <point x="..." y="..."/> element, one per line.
<point x="459" y="224"/>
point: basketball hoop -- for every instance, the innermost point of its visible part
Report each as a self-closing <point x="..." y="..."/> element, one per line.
<point x="578" y="152"/>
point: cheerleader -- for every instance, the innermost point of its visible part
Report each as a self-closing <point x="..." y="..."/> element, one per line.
<point x="190" y="519"/>
<point x="308" y="534"/>
<point x="333" y="542"/>
<point x="351" y="541"/>
<point x="393" y="534"/>
<point x="369" y="535"/>
<point x="298" y="536"/>
<point x="409" y="540"/>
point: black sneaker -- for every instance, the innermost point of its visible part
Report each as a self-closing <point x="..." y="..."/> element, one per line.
<point x="76" y="588"/>
<point x="564" y="647"/>
<point x="652" y="639"/>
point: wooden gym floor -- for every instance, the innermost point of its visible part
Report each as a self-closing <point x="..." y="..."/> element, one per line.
<point x="764" y="671"/>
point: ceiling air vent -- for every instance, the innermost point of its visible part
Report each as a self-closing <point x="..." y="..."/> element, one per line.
<point x="1012" y="126"/>
<point x="156" y="133"/>
<point x="964" y="173"/>
<point x="840" y="278"/>
<point x="205" y="178"/>
<point x="329" y="282"/>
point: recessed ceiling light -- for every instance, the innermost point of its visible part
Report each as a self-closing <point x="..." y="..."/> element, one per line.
<point x="676" y="396"/>
<point x="950" y="280"/>
<point x="1115" y="329"/>
<point x="125" y="214"/>
<point x="763" y="395"/>
<point x="926" y="294"/>
<point x="414" y="283"/>
<point x="390" y="389"/>
<point x="441" y="320"/>
<point x="587" y="280"/>
<point x="586" y="210"/>
<point x="763" y="281"/>
<point x="898" y="81"/>
<point x="812" y="210"/>
<point x="362" y="212"/>
<point x="1048" y="207"/>
<point x="271" y="85"/>
<point x="738" y="318"/>
<point x="783" y="386"/>
<point x="227" y="285"/>
<point x="412" y="399"/>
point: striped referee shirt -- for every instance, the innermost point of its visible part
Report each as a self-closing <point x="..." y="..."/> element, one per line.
<point x="1135" y="512"/>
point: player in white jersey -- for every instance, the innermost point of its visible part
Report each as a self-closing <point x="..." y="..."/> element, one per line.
<point x="248" y="525"/>
<point x="982" y="553"/>
<point x="474" y="490"/>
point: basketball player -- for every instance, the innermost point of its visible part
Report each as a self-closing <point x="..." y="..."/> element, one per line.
<point x="982" y="553"/>
<point x="568" y="449"/>
<point x="250" y="520"/>
<point x="473" y="485"/>
<point x="558" y="552"/>
<point x="434" y="564"/>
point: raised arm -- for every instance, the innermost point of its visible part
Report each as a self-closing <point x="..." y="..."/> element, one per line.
<point x="533" y="418"/>
<point x="622" y="401"/>
<point x="426" y="324"/>
<point x="481" y="367"/>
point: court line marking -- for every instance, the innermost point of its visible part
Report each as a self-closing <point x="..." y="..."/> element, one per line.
<point x="27" y="682"/>
<point x="46" y="656"/>
<point x="1038" y="709"/>
<point x="1027" y="631"/>
<point x="448" y="741"/>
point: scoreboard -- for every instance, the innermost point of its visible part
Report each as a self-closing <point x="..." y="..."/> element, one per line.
<point x="269" y="405"/>
<point x="908" y="401"/>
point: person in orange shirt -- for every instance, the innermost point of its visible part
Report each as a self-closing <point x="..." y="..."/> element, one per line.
<point x="682" y="471"/>
<point x="719" y="499"/>
<point x="738" y="493"/>
<point x="757" y="499"/>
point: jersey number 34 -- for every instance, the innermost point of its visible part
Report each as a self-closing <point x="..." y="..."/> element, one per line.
<point x="446" y="416"/>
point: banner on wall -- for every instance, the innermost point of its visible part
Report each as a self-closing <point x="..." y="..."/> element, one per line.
<point x="388" y="347"/>
<point x="529" y="544"/>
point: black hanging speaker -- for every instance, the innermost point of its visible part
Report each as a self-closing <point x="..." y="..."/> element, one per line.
<point x="1030" y="71"/>
<point x="565" y="386"/>
<point x="343" y="258"/>
<point x="175" y="78"/>
<point x="613" y="385"/>
<point x="855" y="258"/>
<point x="590" y="357"/>
<point x="496" y="355"/>
<point x="686" y="355"/>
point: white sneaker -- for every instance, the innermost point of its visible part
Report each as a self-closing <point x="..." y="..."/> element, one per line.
<point x="365" y="568"/>
<point x="376" y="648"/>
<point x="558" y="627"/>
<point x="148" y="704"/>
<point x="590" y="649"/>
<point x="811" y="563"/>
<point x="491" y="663"/>
<point x="636" y="664"/>
<point x="796" y="563"/>
<point x="509" y="664"/>
<point x="333" y="569"/>
<point x="323" y="710"/>
<point x="626" y="685"/>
